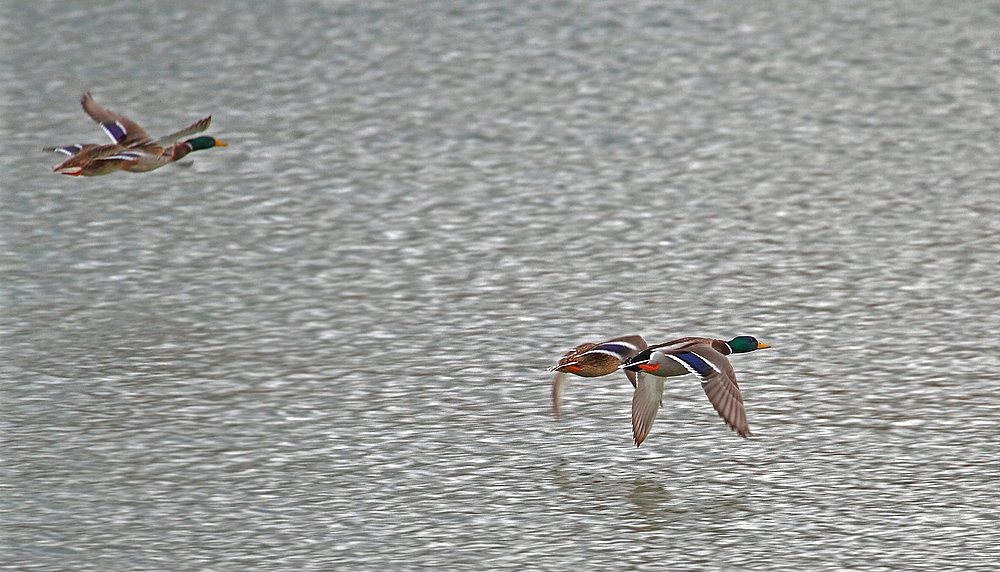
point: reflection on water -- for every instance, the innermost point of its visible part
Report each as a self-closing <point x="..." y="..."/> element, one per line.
<point x="325" y="347"/>
<point x="652" y="504"/>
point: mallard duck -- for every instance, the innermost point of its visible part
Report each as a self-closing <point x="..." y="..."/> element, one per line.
<point x="133" y="149"/>
<point x="594" y="360"/>
<point x="705" y="358"/>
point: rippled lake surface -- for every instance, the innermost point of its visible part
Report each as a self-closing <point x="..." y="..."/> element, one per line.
<point x="324" y="346"/>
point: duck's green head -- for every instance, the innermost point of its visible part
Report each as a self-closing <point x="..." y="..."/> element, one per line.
<point x="744" y="344"/>
<point x="204" y="142"/>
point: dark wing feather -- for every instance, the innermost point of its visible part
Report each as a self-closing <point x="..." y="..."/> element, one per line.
<point x="723" y="391"/>
<point x="717" y="379"/>
<point x="121" y="129"/>
<point x="196" y="127"/>
<point x="640" y="346"/>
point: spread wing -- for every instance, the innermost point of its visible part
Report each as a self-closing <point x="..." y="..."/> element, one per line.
<point x="73" y="149"/>
<point x="646" y="403"/>
<point x="718" y="379"/>
<point x="196" y="127"/>
<point x="559" y="384"/>
<point x="119" y="128"/>
<point x="638" y="344"/>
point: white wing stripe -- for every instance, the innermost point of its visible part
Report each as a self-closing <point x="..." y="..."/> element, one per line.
<point x="688" y="366"/>
<point x="621" y="343"/>
<point x="604" y="352"/>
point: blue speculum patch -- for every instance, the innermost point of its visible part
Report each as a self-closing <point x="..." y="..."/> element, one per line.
<point x="697" y="363"/>
<point x="114" y="130"/>
<point x="615" y="347"/>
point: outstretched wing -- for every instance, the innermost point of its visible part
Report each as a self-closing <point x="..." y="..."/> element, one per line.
<point x="646" y="403"/>
<point x="119" y="128"/>
<point x="559" y="384"/>
<point x="196" y="127"/>
<point x="718" y="379"/>
<point x="72" y="149"/>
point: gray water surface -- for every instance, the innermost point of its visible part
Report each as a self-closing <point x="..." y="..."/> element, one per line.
<point x="324" y="346"/>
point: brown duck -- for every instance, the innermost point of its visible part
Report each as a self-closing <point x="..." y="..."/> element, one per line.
<point x="594" y="360"/>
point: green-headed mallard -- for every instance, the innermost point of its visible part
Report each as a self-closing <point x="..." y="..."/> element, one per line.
<point x="594" y="360"/>
<point x="705" y="358"/>
<point x="133" y="149"/>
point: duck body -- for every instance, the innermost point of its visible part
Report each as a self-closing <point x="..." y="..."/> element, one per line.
<point x="707" y="359"/>
<point x="91" y="160"/>
<point x="132" y="148"/>
<point x="594" y="360"/>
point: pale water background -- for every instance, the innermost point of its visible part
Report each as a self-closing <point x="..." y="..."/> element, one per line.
<point x="324" y="346"/>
